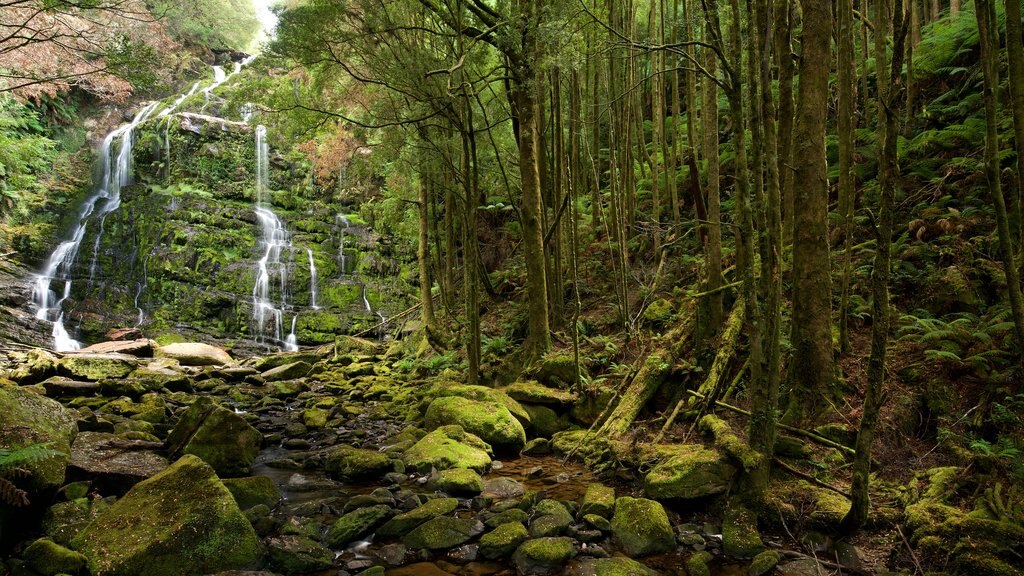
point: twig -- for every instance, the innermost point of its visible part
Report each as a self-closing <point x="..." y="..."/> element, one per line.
<point x="808" y="477"/>
<point x="917" y="563"/>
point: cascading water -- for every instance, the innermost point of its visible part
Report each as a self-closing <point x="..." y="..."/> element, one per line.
<point x="116" y="173"/>
<point x="343" y="220"/>
<point x="312" y="281"/>
<point x="291" y="344"/>
<point x="274" y="239"/>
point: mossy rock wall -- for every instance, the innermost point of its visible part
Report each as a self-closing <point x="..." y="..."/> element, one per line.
<point x="183" y="246"/>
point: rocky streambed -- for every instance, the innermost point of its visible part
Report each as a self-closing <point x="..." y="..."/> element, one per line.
<point x="182" y="460"/>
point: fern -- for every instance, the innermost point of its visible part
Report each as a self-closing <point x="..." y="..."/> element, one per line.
<point x="12" y="465"/>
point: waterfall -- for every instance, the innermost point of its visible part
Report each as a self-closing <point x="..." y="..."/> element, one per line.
<point x="343" y="220"/>
<point x="312" y="281"/>
<point x="116" y="173"/>
<point x="173" y="107"/>
<point x="291" y="344"/>
<point x="274" y="238"/>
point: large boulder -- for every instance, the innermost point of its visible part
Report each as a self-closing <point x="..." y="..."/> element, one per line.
<point x="533" y="392"/>
<point x="28" y="419"/>
<point x="97" y="366"/>
<point x="358" y="523"/>
<point x="106" y="459"/>
<point x="287" y="372"/>
<point x="543" y="555"/>
<point x="217" y="435"/>
<point x="182" y="521"/>
<point x="405" y="522"/>
<point x="640" y="527"/>
<point x="481" y="393"/>
<point x="348" y="463"/>
<point x="503" y="540"/>
<point x="491" y="421"/>
<point x="442" y="533"/>
<point x="695" y="472"/>
<point x="448" y="447"/>
<point x="195" y="354"/>
<point x="142" y="348"/>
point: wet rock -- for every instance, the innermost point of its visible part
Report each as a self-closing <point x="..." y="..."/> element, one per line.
<point x="697" y="565"/>
<point x="195" y="354"/>
<point x="61" y="387"/>
<point x="392" y="554"/>
<point x="503" y="540"/>
<point x="459" y="482"/>
<point x="115" y="464"/>
<point x="442" y="532"/>
<point x="491" y="422"/>
<point x="464" y="554"/>
<point x="29" y="419"/>
<point x="740" y="538"/>
<point x="502" y="488"/>
<point x="252" y="491"/>
<point x="348" y="463"/>
<point x="222" y="438"/>
<point x="543" y="555"/>
<point x="448" y="447"/>
<point x="536" y="393"/>
<point x="551" y="518"/>
<point x="48" y="558"/>
<point x="694" y="472"/>
<point x="297" y="555"/>
<point x="140" y="348"/>
<point x="611" y="567"/>
<point x="599" y="499"/>
<point x="763" y="563"/>
<point x="801" y="567"/>
<point x="506" y="516"/>
<point x="287" y="372"/>
<point x="357" y="524"/>
<point x="641" y="527"/>
<point x="181" y="521"/>
<point x="97" y="366"/>
<point x="403" y="523"/>
<point x="537" y="447"/>
<point x="377" y="497"/>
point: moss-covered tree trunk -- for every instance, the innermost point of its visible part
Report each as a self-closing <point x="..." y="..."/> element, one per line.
<point x="782" y="24"/>
<point x="1015" y="57"/>
<point x="811" y="369"/>
<point x="847" y="142"/>
<point x="890" y="100"/>
<point x="713" y="248"/>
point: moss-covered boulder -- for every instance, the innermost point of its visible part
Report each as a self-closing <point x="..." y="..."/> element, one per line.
<point x="619" y="566"/>
<point x="799" y="500"/>
<point x="97" y="366"/>
<point x="348" y="463"/>
<point x="181" y="521"/>
<point x="545" y="422"/>
<point x="195" y="354"/>
<point x="295" y="554"/>
<point x="222" y="438"/>
<point x="641" y="527"/>
<point x="28" y="419"/>
<point x="697" y="565"/>
<point x="550" y="518"/>
<point x="442" y="533"/>
<point x="763" y="563"/>
<point x="448" y="447"/>
<point x="252" y="491"/>
<point x="598" y="499"/>
<point x="48" y="558"/>
<point x="533" y="392"/>
<point x="481" y="393"/>
<point x="358" y="523"/>
<point x="460" y="482"/>
<point x="403" y="523"/>
<point x="287" y="372"/>
<point x="503" y="540"/>
<point x="543" y="555"/>
<point x="490" y="421"/>
<point x="694" y="472"/>
<point x="558" y="368"/>
<point x="740" y="538"/>
<point x="98" y="456"/>
<point x="64" y="520"/>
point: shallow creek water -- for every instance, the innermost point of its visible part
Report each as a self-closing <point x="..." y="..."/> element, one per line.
<point x="309" y="496"/>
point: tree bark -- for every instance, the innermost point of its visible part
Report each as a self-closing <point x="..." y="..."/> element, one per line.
<point x="1015" y="57"/>
<point x="847" y="144"/>
<point x="811" y="372"/>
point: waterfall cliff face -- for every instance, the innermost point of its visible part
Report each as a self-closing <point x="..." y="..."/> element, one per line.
<point x="197" y="226"/>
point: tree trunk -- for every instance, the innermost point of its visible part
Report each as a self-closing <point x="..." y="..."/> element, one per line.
<point x="989" y="33"/>
<point x="889" y="102"/>
<point x="783" y="24"/>
<point x="423" y="257"/>
<point x="1015" y="56"/>
<point x="847" y="144"/>
<point x="811" y="368"/>
<point x="713" y="249"/>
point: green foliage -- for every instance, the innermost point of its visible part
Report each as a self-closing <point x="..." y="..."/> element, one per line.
<point x="218" y="24"/>
<point x="962" y="340"/>
<point x="11" y="467"/>
<point x="24" y="154"/>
